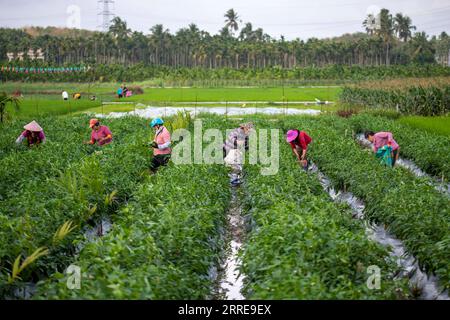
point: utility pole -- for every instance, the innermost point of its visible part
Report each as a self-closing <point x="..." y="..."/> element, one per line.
<point x="106" y="13"/>
<point x="448" y="60"/>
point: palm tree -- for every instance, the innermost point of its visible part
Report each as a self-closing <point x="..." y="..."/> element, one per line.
<point x="386" y="31"/>
<point x="403" y="26"/>
<point x="6" y="99"/>
<point x="232" y="20"/>
<point x="246" y="32"/>
<point x="158" y="39"/>
<point x="370" y="24"/>
<point x="422" y="49"/>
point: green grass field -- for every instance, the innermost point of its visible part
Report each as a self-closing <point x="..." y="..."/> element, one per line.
<point x="45" y="98"/>
<point x="107" y="91"/>
<point x="40" y="107"/>
<point x="236" y="94"/>
<point x="438" y="125"/>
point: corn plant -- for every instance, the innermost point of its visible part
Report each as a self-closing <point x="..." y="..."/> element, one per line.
<point x="431" y="99"/>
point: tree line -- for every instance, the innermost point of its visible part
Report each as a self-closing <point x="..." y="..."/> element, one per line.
<point x="388" y="40"/>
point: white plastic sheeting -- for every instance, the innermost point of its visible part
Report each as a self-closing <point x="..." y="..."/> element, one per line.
<point x="159" y="112"/>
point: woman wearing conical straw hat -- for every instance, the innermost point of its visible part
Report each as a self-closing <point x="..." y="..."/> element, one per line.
<point x="33" y="134"/>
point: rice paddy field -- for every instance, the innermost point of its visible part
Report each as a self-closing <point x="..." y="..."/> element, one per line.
<point x="353" y="228"/>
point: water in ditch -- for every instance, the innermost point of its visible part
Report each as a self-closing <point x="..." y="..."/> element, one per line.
<point x="27" y="290"/>
<point x="100" y="230"/>
<point x="427" y="285"/>
<point x="229" y="280"/>
<point x="412" y="167"/>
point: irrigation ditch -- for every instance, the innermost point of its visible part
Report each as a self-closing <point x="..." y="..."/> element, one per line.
<point x="422" y="286"/>
<point x="228" y="281"/>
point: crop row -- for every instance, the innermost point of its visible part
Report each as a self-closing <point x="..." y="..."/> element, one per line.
<point x="409" y="207"/>
<point x="163" y="245"/>
<point x="20" y="166"/>
<point x="429" y="151"/>
<point x="428" y="101"/>
<point x="85" y="190"/>
<point x="304" y="246"/>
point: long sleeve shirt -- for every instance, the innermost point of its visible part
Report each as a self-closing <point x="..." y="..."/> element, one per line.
<point x="381" y="139"/>
<point x="163" y="140"/>
<point x="39" y="138"/>
<point x="234" y="137"/>
<point x="102" y="133"/>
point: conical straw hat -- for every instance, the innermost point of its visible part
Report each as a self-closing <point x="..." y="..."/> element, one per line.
<point x="33" y="126"/>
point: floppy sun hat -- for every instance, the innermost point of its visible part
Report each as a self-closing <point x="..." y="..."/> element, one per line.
<point x="33" y="126"/>
<point x="93" y="122"/>
<point x="291" y="135"/>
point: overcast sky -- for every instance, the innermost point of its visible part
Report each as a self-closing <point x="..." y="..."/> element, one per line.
<point x="291" y="18"/>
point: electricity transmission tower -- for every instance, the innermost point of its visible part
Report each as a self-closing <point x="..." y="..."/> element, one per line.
<point x="106" y="8"/>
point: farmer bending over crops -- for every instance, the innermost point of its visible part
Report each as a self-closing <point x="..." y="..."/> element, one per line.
<point x="299" y="141"/>
<point x="100" y="134"/>
<point x="161" y="145"/>
<point x="384" y="142"/>
<point x="233" y="157"/>
<point x="33" y="133"/>
<point x="236" y="137"/>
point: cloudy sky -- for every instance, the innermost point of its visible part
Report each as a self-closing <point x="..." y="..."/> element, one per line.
<point x="291" y="18"/>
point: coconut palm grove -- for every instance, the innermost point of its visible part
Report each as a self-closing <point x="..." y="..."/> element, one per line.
<point x="228" y="165"/>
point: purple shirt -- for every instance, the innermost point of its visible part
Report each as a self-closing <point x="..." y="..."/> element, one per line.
<point x="102" y="133"/>
<point x="381" y="139"/>
<point x="40" y="137"/>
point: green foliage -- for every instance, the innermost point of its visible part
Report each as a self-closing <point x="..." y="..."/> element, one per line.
<point x="163" y="244"/>
<point x="418" y="100"/>
<point x="436" y="125"/>
<point x="5" y="99"/>
<point x="270" y="76"/>
<point x="429" y="151"/>
<point x="409" y="206"/>
<point x="303" y="246"/>
<point x="34" y="211"/>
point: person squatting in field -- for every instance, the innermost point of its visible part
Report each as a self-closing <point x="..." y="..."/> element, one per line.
<point x="384" y="146"/>
<point x="100" y="134"/>
<point x="161" y="145"/>
<point x="33" y="134"/>
<point x="232" y="153"/>
<point x="299" y="141"/>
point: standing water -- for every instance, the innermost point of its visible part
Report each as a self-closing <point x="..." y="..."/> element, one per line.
<point x="427" y="286"/>
<point x="231" y="281"/>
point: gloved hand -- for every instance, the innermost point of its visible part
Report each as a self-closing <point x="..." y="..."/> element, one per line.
<point x="154" y="145"/>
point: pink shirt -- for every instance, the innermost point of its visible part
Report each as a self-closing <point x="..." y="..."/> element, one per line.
<point x="31" y="141"/>
<point x="381" y="139"/>
<point x="102" y="132"/>
<point x="162" y="138"/>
